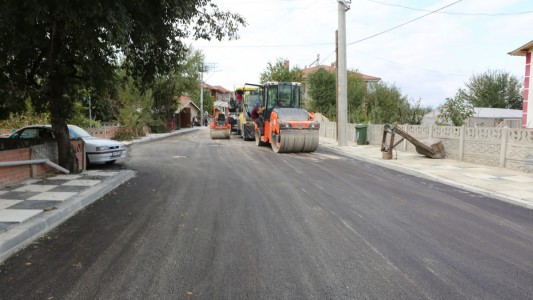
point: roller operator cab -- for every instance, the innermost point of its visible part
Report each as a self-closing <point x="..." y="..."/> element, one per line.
<point x="286" y="126"/>
<point x="246" y="97"/>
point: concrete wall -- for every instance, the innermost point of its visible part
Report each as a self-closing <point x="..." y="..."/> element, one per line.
<point x="498" y="147"/>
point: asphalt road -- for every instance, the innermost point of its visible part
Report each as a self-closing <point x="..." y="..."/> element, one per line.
<point x="226" y="219"/>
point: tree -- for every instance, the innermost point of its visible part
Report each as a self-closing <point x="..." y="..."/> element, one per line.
<point x="281" y="72"/>
<point x="495" y="89"/>
<point x="416" y="112"/>
<point x="321" y="90"/>
<point x="386" y="104"/>
<point x="357" y="92"/>
<point x="51" y="50"/>
<point x="455" y="111"/>
<point x="136" y="105"/>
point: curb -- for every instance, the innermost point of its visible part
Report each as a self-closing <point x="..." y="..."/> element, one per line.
<point x="19" y="237"/>
<point x="159" y="136"/>
<point x="420" y="174"/>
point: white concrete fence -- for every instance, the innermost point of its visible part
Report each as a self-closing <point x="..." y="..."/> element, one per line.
<point x="498" y="147"/>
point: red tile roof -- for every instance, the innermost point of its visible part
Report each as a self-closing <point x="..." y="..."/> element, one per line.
<point x="216" y="88"/>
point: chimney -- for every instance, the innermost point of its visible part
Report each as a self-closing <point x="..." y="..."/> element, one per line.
<point x="286" y="63"/>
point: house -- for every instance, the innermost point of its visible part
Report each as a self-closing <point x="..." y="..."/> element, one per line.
<point x="484" y="117"/>
<point x="526" y="50"/>
<point x="186" y="112"/>
<point x="369" y="80"/>
<point x="218" y="92"/>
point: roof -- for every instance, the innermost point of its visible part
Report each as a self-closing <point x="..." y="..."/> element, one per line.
<point x="331" y="68"/>
<point x="523" y="50"/>
<point x="217" y="88"/>
<point x="485" y="112"/>
<point x="185" y="100"/>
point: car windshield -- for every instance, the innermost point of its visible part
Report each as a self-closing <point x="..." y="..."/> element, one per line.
<point x="76" y="132"/>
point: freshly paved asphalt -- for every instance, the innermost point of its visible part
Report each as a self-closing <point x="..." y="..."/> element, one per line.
<point x="225" y="219"/>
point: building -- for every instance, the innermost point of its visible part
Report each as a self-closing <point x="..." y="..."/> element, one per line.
<point x="218" y="92"/>
<point x="186" y="112"/>
<point x="527" y="110"/>
<point x="484" y="117"/>
<point x="369" y="80"/>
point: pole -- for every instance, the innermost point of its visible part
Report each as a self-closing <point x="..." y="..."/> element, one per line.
<point x="90" y="117"/>
<point x="202" y="96"/>
<point x="342" y="100"/>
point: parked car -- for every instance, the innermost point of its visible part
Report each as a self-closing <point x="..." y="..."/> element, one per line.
<point x="98" y="150"/>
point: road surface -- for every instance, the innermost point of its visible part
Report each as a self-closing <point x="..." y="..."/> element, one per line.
<point x="225" y="219"/>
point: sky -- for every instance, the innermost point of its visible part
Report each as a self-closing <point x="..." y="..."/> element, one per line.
<point x="429" y="58"/>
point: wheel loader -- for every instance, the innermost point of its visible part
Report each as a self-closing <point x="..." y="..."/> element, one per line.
<point x="284" y="124"/>
<point x="220" y="128"/>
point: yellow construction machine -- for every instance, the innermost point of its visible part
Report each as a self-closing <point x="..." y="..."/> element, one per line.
<point x="246" y="97"/>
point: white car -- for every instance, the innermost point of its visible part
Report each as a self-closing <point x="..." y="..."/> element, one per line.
<point x="98" y="150"/>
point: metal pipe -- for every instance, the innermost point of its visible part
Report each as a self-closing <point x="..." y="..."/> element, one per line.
<point x="34" y="162"/>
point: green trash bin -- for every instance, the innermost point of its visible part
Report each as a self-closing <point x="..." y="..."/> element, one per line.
<point x="360" y="134"/>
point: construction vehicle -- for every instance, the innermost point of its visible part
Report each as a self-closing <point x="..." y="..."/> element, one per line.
<point x="220" y="128"/>
<point x="284" y="124"/>
<point x="246" y="97"/>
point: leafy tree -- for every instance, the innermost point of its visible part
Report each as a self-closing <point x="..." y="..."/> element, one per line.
<point x="136" y="105"/>
<point x="495" y="89"/>
<point x="52" y="50"/>
<point x="183" y="79"/>
<point x="455" y="111"/>
<point x="416" y="112"/>
<point x="321" y="90"/>
<point x="386" y="104"/>
<point x="357" y="92"/>
<point x="17" y="120"/>
<point x="280" y="72"/>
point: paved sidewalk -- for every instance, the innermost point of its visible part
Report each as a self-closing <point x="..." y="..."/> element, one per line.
<point x="504" y="184"/>
<point x="33" y="207"/>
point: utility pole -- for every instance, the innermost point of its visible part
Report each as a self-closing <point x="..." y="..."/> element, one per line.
<point x="342" y="84"/>
<point x="202" y="97"/>
<point x="90" y="116"/>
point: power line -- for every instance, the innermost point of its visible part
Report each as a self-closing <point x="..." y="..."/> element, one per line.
<point x="410" y="66"/>
<point x="454" y="13"/>
<point x="403" y="24"/>
<point x="265" y="46"/>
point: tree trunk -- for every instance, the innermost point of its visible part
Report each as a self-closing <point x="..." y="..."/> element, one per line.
<point x="59" y="105"/>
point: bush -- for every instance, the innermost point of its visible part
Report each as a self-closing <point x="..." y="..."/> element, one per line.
<point x="158" y="126"/>
<point x="17" y="121"/>
<point x="125" y="134"/>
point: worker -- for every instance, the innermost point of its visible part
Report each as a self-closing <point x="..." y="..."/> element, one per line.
<point x="255" y="114"/>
